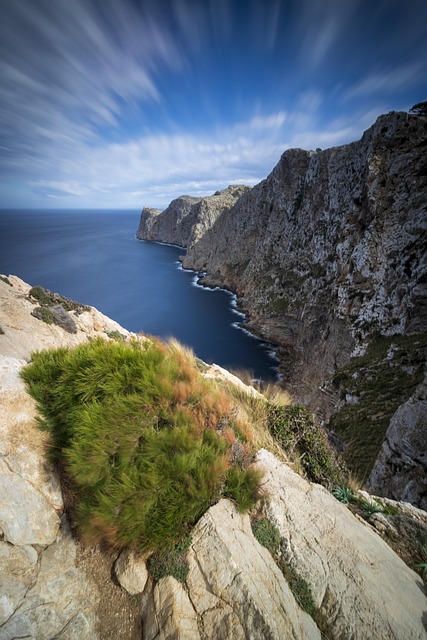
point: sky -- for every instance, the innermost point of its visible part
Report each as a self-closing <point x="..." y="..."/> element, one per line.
<point x="131" y="103"/>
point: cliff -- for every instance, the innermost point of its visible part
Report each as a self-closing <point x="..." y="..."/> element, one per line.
<point x="187" y="219"/>
<point x="53" y="586"/>
<point x="325" y="254"/>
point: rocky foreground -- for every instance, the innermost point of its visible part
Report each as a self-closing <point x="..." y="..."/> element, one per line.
<point x="50" y="586"/>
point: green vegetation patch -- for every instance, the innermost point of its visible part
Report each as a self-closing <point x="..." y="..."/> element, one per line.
<point x="171" y="562"/>
<point x="298" y="432"/>
<point x="380" y="381"/>
<point x="300" y="589"/>
<point x="54" y="308"/>
<point x="44" y="314"/>
<point x="267" y="534"/>
<point x="144" y="438"/>
<point x="47" y="298"/>
<point x="6" y="280"/>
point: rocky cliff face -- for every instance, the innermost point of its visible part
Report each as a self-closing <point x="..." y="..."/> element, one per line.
<point x="187" y="219"/>
<point x="51" y="587"/>
<point x="400" y="470"/>
<point x="326" y="252"/>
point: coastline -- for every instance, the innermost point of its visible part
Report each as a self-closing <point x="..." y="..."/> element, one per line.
<point x="197" y="281"/>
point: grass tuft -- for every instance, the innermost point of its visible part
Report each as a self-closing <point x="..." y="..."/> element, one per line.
<point x="145" y="439"/>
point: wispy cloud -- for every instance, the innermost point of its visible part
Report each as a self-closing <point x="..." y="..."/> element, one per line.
<point x="67" y="69"/>
<point x="155" y="169"/>
<point x="387" y="81"/>
<point x="320" y="23"/>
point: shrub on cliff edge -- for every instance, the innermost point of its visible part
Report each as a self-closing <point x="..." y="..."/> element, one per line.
<point x="145" y="439"/>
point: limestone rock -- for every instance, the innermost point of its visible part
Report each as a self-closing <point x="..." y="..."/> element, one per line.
<point x="26" y="517"/>
<point x="25" y="334"/>
<point x="18" y="570"/>
<point x="131" y="571"/>
<point x="43" y="595"/>
<point x="50" y="598"/>
<point x="400" y="470"/>
<point x="218" y="373"/>
<point x="169" y="614"/>
<point x="235" y="586"/>
<point x="363" y="589"/>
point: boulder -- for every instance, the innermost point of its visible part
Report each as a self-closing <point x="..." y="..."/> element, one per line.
<point x="131" y="571"/>
<point x="361" y="587"/>
<point x="47" y="596"/>
<point x="18" y="570"/>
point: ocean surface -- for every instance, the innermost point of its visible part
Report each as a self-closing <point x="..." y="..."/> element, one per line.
<point x="94" y="257"/>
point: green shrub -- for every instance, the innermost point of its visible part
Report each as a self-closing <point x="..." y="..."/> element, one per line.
<point x="44" y="314"/>
<point x="267" y="534"/>
<point x="369" y="508"/>
<point x="297" y="432"/>
<point x="41" y="295"/>
<point x="140" y="433"/>
<point x="115" y="335"/>
<point x="171" y="562"/>
<point x="6" y="280"/>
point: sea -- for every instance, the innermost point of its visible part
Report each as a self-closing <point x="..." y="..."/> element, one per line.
<point x="93" y="257"/>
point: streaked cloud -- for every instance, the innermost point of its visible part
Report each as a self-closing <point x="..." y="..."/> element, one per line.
<point x="115" y="103"/>
<point x="388" y="81"/>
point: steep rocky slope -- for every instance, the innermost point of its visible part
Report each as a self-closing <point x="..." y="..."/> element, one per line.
<point x="327" y="252"/>
<point x="52" y="587"/>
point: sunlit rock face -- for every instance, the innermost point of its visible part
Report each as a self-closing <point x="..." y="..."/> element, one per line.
<point x="329" y="249"/>
<point x="187" y="219"/>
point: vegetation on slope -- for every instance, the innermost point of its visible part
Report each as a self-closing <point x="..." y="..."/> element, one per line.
<point x="147" y="442"/>
<point x="372" y="387"/>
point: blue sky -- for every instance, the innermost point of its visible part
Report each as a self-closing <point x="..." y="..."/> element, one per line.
<point x="126" y="103"/>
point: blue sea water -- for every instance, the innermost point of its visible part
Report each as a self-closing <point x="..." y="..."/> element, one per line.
<point x="94" y="257"/>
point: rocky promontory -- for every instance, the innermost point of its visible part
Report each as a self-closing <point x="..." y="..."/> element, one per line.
<point x="326" y="255"/>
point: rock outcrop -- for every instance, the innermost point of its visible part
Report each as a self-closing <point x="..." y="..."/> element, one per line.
<point x="400" y="470"/>
<point x="361" y="588"/>
<point x="235" y="590"/>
